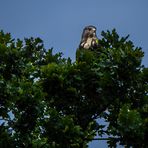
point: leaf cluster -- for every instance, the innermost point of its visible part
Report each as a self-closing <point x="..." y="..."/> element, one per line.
<point x="49" y="101"/>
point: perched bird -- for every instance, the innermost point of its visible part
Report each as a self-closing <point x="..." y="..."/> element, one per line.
<point x="89" y="38"/>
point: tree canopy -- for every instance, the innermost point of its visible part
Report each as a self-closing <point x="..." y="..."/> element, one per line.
<point x="51" y="102"/>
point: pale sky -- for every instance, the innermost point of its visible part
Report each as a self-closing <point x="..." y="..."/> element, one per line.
<point x="60" y="23"/>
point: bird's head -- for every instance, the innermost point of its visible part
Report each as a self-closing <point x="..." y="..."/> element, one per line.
<point x="89" y="31"/>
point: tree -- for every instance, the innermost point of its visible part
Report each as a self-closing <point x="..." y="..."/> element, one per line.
<point x="49" y="101"/>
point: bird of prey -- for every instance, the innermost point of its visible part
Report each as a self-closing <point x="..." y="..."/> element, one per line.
<point x="89" y="38"/>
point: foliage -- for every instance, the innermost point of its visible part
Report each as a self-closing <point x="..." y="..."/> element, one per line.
<point x="50" y="101"/>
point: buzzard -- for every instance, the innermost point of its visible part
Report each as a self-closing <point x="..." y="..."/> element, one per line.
<point x="89" y="38"/>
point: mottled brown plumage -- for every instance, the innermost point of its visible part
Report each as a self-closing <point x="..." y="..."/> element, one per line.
<point x="89" y="38"/>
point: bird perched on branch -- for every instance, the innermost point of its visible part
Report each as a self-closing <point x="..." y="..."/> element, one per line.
<point x="89" y="46"/>
<point x="89" y="38"/>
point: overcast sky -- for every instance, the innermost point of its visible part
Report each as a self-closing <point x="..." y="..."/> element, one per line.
<point x="60" y="22"/>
